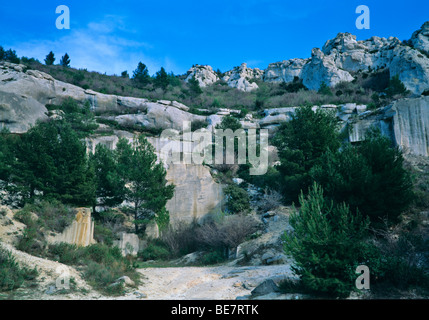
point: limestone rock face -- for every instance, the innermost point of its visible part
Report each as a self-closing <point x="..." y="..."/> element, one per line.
<point x="19" y="113"/>
<point x="322" y="68"/>
<point x="80" y="232"/>
<point x="159" y="116"/>
<point x="204" y="74"/>
<point x="420" y="38"/>
<point x="343" y="55"/>
<point x="129" y="243"/>
<point x="411" y="125"/>
<point x="240" y="77"/>
<point x="196" y="193"/>
<point x="23" y="96"/>
<point x="284" y="71"/>
<point x="405" y="122"/>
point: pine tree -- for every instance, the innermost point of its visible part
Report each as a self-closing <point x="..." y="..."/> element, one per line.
<point x="10" y="55"/>
<point x="194" y="86"/>
<point x="52" y="163"/>
<point x="141" y="74"/>
<point x="110" y="185"/>
<point x="301" y="142"/>
<point x="369" y="177"/>
<point x="50" y="59"/>
<point x="327" y="244"/>
<point x="161" y="79"/>
<point x="65" y="60"/>
<point x="147" y="187"/>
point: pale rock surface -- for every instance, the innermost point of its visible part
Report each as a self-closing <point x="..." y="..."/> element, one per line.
<point x="203" y="74"/>
<point x="129" y="243"/>
<point x="284" y="71"/>
<point x="240" y="77"/>
<point x="420" y="38"/>
<point x="80" y="232"/>
<point x="322" y="68"/>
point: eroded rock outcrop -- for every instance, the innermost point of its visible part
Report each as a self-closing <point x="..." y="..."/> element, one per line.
<point x="80" y="232"/>
<point x="343" y="55"/>
<point x="203" y="74"/>
<point x="241" y="77"/>
<point x="25" y="93"/>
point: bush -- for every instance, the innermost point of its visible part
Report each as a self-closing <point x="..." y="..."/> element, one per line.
<point x="102" y="265"/>
<point x="52" y="215"/>
<point x="212" y="257"/>
<point x="327" y="244"/>
<point x="181" y="239"/>
<point x="369" y="177"/>
<point x="156" y="250"/>
<point x="12" y="276"/>
<point x="237" y="199"/>
<point x="226" y="233"/>
<point x="301" y="142"/>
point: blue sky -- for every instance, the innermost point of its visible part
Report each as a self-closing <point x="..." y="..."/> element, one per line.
<point x="112" y="36"/>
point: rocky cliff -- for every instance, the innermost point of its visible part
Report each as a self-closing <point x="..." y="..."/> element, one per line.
<point x="336" y="61"/>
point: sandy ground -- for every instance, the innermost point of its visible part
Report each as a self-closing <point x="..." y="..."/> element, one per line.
<point x="217" y="283"/>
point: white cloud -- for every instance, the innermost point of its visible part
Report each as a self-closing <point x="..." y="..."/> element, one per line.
<point x="102" y="46"/>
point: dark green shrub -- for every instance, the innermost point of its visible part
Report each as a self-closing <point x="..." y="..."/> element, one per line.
<point x="212" y="257"/>
<point x="369" y="177"/>
<point x="327" y="244"/>
<point x="156" y="250"/>
<point x="237" y="199"/>
<point x="12" y="276"/>
<point x="301" y="142"/>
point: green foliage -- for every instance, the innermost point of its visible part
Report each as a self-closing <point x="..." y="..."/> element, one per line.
<point x="9" y="55"/>
<point x="141" y="75"/>
<point x="102" y="265"/>
<point x="162" y="219"/>
<point x="213" y="257"/>
<point x="396" y="87"/>
<point x="80" y="118"/>
<point x="156" y="250"/>
<point x="194" y="86"/>
<point x="369" y="177"/>
<point x="147" y="187"/>
<point x="52" y="215"/>
<point x="294" y="86"/>
<point x="237" y="199"/>
<point x="50" y="59"/>
<point x="52" y="160"/>
<point x="301" y="142"/>
<point x="229" y="122"/>
<point x="327" y="244"/>
<point x="65" y="60"/>
<point x="110" y="185"/>
<point x="12" y="276"/>
<point x="161" y="79"/>
<point x="324" y="89"/>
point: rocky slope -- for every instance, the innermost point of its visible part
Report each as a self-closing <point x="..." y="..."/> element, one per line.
<point x="338" y="59"/>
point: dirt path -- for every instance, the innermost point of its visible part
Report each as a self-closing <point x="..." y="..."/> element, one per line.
<point x="217" y="283"/>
